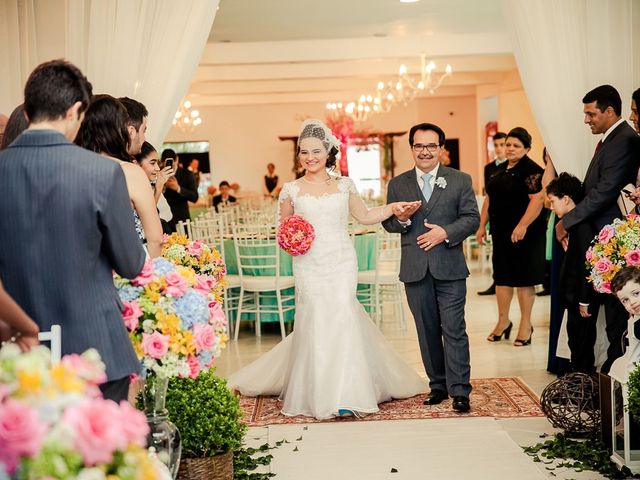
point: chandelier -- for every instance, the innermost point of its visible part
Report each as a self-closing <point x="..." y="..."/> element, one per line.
<point x="401" y="91"/>
<point x="185" y="118"/>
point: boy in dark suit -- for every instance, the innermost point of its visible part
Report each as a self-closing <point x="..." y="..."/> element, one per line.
<point x="577" y="293"/>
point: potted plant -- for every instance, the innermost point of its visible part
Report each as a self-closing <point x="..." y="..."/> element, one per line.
<point x="208" y="416"/>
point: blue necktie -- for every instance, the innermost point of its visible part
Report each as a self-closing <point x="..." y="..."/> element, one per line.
<point x="426" y="186"/>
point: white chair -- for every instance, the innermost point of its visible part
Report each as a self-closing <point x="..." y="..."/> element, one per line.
<point x="184" y="228"/>
<point x="384" y="284"/>
<point x="54" y="337"/>
<point x="258" y="258"/>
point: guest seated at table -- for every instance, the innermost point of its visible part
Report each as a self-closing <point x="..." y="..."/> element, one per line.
<point x="223" y="198"/>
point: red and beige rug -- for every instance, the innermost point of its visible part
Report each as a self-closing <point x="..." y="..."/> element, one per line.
<point x="491" y="397"/>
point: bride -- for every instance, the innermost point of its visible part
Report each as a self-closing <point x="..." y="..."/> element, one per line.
<point x="336" y="361"/>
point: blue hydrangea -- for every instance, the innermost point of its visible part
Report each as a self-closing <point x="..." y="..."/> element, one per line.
<point x="192" y="308"/>
<point x="204" y="358"/>
<point x="162" y="266"/>
<point x="129" y="293"/>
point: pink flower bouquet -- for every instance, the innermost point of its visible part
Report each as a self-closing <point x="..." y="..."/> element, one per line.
<point x="295" y="235"/>
<point x="616" y="246"/>
<point x="55" y="424"/>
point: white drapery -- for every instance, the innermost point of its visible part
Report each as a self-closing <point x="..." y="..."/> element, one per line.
<point x="564" y="49"/>
<point x="143" y="49"/>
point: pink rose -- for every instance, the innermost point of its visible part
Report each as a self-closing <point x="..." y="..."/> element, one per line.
<point x="204" y="284"/>
<point x="194" y="248"/>
<point x="606" y="287"/>
<point x="603" y="265"/>
<point x="204" y="337"/>
<point x="589" y="254"/>
<point x="194" y="366"/>
<point x="606" y="234"/>
<point x="133" y="425"/>
<point x="85" y="368"/>
<point x="216" y="313"/>
<point x="21" y="433"/>
<point x="132" y="312"/>
<point x="176" y="284"/>
<point x="97" y="431"/>
<point x="146" y="275"/>
<point x="633" y="258"/>
<point x="155" y="345"/>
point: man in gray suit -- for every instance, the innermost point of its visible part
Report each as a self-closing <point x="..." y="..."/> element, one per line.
<point x="66" y="224"/>
<point x="433" y="267"/>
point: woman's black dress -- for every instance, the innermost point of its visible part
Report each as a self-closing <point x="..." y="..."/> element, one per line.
<point x="519" y="264"/>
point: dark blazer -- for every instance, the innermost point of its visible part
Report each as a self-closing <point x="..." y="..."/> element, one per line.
<point x="573" y="284"/>
<point x="217" y="200"/>
<point x="65" y="224"/>
<point x="454" y="208"/>
<point x="179" y="202"/>
<point x="614" y="166"/>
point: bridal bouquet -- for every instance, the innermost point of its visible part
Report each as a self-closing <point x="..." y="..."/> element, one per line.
<point x="55" y="424"/>
<point x="295" y="235"/>
<point x="616" y="246"/>
<point x="175" y="323"/>
<point x="197" y="255"/>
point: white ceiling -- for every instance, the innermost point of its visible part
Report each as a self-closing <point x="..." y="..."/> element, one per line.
<point x="273" y="51"/>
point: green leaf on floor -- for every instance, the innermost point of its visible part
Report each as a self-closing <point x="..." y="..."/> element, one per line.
<point x="394" y="470"/>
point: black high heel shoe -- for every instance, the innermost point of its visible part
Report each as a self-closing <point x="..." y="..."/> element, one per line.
<point x="506" y="333"/>
<point x="523" y="343"/>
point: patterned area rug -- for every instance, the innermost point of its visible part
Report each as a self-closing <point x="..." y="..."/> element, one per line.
<point x="491" y="397"/>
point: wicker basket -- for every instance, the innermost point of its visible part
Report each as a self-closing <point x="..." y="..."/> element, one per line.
<point x="219" y="467"/>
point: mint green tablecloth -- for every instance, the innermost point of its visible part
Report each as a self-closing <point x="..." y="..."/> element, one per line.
<point x="365" y="250"/>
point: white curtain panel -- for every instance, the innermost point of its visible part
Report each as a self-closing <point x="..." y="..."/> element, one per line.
<point x="143" y="49"/>
<point x="564" y="49"/>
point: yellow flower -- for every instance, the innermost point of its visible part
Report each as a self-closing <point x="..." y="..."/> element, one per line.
<point x="65" y="380"/>
<point x="29" y="382"/>
<point x="168" y="324"/>
<point x="182" y="343"/>
<point x="188" y="274"/>
<point x="152" y="291"/>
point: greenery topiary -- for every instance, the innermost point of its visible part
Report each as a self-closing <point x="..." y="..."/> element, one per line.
<point x="633" y="386"/>
<point x="207" y="414"/>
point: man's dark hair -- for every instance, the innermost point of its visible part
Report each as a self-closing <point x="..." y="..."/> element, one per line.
<point x="104" y="129"/>
<point x="145" y="151"/>
<point x="605" y="96"/>
<point x="427" y="126"/>
<point x="223" y="183"/>
<point x="499" y="136"/>
<point x="53" y="88"/>
<point x="624" y="276"/>
<point x="566" y="185"/>
<point x="136" y="110"/>
<point x="168" y="153"/>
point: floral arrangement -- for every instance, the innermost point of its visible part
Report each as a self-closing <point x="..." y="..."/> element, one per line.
<point x="55" y="424"/>
<point x="175" y="323"/>
<point x="235" y="186"/>
<point x="295" y="235"/>
<point x="616" y="246"/>
<point x="206" y="262"/>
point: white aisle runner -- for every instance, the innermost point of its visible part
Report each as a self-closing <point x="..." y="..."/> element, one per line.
<point x="443" y="449"/>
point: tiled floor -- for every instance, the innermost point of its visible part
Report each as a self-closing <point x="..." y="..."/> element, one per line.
<point x="487" y="360"/>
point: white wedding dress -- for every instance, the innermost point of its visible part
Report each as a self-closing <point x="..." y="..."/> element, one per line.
<point x="336" y="358"/>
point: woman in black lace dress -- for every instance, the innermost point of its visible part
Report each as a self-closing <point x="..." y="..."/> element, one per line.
<point x="518" y="234"/>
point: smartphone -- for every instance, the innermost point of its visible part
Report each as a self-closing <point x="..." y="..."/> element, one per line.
<point x="168" y="162"/>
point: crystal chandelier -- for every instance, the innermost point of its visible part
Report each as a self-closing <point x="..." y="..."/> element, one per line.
<point x="402" y="91"/>
<point x="185" y="118"/>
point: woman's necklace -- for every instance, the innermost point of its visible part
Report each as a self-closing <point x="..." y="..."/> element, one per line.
<point x="317" y="183"/>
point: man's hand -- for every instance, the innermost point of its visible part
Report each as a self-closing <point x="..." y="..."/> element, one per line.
<point x="172" y="184"/>
<point x="433" y="237"/>
<point x="561" y="233"/>
<point x="584" y="311"/>
<point x="404" y="210"/>
<point x="481" y="235"/>
<point x="518" y="233"/>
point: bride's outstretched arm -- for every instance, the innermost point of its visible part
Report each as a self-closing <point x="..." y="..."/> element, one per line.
<point x="366" y="215"/>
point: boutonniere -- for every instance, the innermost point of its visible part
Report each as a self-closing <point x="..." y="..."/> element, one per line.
<point x="441" y="182"/>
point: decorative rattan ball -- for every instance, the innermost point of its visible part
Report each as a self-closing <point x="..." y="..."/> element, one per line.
<point x="571" y="402"/>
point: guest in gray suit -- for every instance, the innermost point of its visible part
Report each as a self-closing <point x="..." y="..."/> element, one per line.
<point x="65" y="225"/>
<point x="433" y="267"/>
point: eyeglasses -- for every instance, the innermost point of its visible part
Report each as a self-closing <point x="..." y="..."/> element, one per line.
<point x="431" y="147"/>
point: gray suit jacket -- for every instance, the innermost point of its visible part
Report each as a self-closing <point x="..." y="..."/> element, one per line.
<point x="454" y="208"/>
<point x="65" y="224"/>
<point x="614" y="166"/>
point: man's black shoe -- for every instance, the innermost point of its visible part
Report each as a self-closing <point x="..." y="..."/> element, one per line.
<point x="489" y="291"/>
<point x="436" y="397"/>
<point x="461" y="404"/>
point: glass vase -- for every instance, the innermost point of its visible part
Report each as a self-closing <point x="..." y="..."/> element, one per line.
<point x="164" y="437"/>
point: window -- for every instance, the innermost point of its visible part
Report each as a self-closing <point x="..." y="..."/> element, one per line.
<point x="364" y="168"/>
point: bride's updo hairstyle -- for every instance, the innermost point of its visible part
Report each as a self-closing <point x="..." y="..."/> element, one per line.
<point x="317" y="129"/>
